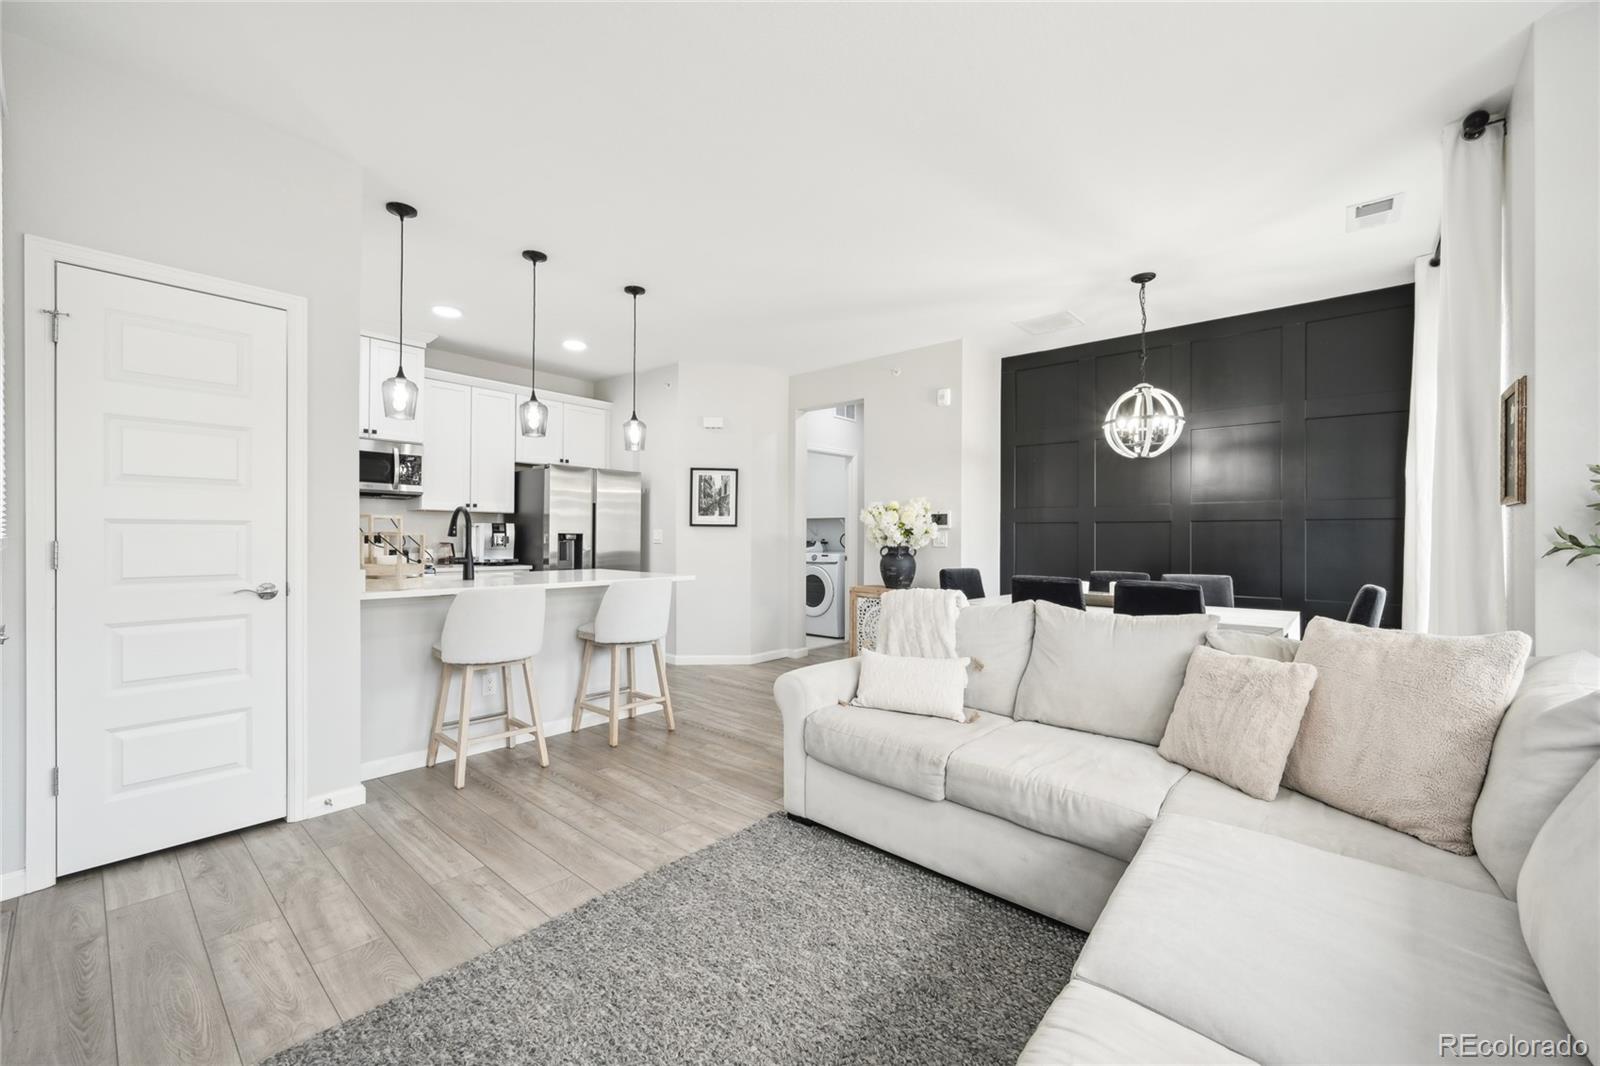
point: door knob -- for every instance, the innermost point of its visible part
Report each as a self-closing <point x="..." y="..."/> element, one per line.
<point x="266" y="590"/>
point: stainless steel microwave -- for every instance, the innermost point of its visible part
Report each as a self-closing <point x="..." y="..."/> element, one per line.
<point x="390" y="468"/>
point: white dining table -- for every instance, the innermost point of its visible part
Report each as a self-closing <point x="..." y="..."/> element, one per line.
<point x="1249" y="619"/>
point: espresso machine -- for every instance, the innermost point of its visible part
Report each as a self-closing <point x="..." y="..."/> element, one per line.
<point x="494" y="543"/>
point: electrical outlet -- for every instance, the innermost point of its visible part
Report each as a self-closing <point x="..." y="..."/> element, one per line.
<point x="655" y="536"/>
<point x="491" y="683"/>
<point x="941" y="539"/>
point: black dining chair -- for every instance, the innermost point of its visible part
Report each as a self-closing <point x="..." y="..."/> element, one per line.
<point x="1367" y="608"/>
<point x="1217" y="587"/>
<point x="1066" y="591"/>
<point x="965" y="579"/>
<point x="1100" y="580"/>
<point x="1157" y="597"/>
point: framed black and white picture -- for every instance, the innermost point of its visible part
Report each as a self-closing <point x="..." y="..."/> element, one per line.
<point x="713" y="496"/>
<point x="1514" y="443"/>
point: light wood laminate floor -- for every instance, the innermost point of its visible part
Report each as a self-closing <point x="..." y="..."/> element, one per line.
<point x="230" y="949"/>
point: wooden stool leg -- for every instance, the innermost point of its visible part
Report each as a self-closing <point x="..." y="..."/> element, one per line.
<point x="445" y="669"/>
<point x="533" y="709"/>
<point x="633" y="686"/>
<point x="462" y="726"/>
<point x="505" y="693"/>
<point x="583" y="685"/>
<point x="661" y="680"/>
<point x="616" y="671"/>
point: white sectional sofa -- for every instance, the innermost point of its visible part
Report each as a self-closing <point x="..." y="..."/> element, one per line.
<point x="1230" y="929"/>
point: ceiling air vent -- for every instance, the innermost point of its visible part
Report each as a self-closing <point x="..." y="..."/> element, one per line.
<point x="1051" y="323"/>
<point x="1379" y="212"/>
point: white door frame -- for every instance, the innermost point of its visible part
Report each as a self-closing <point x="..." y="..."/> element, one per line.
<point x="40" y="257"/>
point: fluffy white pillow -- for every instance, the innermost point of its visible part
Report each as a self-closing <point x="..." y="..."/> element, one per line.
<point x="998" y="638"/>
<point x="1400" y="724"/>
<point x="1113" y="674"/>
<point x="1236" y="718"/>
<point x="933" y="687"/>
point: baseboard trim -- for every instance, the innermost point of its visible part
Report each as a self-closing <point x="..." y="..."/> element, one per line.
<point x="411" y="760"/>
<point x="737" y="660"/>
<point x="337" y="800"/>
<point x="13" y="884"/>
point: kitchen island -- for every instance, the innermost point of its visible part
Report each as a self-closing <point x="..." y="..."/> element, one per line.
<point x="401" y="620"/>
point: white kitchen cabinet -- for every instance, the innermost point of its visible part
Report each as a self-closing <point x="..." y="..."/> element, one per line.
<point x="380" y="361"/>
<point x="494" y="450"/>
<point x="447" y="451"/>
<point x="584" y="435"/>
<point x="545" y="449"/>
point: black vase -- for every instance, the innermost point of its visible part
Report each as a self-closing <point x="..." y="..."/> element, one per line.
<point x="898" y="566"/>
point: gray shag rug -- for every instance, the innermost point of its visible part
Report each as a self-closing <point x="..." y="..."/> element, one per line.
<point x="785" y="943"/>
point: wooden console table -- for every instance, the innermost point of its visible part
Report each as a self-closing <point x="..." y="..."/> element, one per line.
<point x="864" y="617"/>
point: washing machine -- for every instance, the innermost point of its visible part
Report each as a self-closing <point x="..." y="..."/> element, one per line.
<point x="825" y="594"/>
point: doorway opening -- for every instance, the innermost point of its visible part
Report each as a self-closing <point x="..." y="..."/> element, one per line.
<point x="829" y="488"/>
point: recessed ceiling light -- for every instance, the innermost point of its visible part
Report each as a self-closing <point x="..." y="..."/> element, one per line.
<point x="446" y="311"/>
<point x="573" y="344"/>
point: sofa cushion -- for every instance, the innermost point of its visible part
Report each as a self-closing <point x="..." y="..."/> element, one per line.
<point x="1087" y="1024"/>
<point x="1261" y="645"/>
<point x="1286" y="953"/>
<point x="1550" y="735"/>
<point x="903" y="751"/>
<point x="1236" y="718"/>
<point x="1113" y="674"/>
<point x="1558" y="895"/>
<point x="998" y="638"/>
<point x="1100" y="792"/>
<point x="1400" y="724"/>
<point x="1301" y="818"/>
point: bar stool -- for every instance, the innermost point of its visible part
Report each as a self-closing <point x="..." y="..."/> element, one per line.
<point x="484" y="630"/>
<point x="631" y="613"/>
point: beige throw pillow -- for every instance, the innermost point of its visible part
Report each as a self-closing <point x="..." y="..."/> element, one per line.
<point x="1112" y="674"/>
<point x="1399" y="726"/>
<point x="1236" y="718"/>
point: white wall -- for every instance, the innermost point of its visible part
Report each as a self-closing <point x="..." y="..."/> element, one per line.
<point x="910" y="446"/>
<point x="980" y="459"/>
<point x="493" y="369"/>
<point x="101" y="160"/>
<point x="1553" y="224"/>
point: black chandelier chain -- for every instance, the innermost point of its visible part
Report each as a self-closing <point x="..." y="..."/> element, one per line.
<point x="1144" y="321"/>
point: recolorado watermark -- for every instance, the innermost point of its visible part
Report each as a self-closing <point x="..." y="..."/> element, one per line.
<point x="1474" y="1046"/>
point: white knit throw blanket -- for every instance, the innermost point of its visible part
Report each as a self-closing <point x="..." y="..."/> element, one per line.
<point x="919" y="622"/>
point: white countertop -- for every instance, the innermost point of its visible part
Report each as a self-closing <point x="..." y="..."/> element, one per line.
<point x="445" y="584"/>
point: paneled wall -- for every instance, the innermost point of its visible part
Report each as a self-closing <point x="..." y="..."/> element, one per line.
<point x="1289" y="476"/>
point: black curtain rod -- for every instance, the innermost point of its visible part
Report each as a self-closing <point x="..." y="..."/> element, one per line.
<point x="1472" y="127"/>
<point x="1438" y="246"/>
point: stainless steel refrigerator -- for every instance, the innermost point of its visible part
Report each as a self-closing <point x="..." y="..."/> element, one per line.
<point x="576" y="518"/>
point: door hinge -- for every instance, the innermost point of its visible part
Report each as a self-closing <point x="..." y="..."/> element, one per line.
<point x="55" y="555"/>
<point x="55" y="323"/>
<point x="55" y="780"/>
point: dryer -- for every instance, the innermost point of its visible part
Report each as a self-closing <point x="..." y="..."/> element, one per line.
<point x="825" y="594"/>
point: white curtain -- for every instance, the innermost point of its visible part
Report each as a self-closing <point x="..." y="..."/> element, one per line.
<point x="1454" y="579"/>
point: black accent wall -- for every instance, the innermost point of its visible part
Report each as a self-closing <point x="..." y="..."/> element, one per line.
<point x="1290" y="474"/>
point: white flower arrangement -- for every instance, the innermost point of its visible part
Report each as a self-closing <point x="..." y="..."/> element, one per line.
<point x="896" y="525"/>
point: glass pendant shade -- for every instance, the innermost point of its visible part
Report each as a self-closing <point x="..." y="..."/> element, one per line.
<point x="1144" y="422"/>
<point x="633" y="434"/>
<point x="400" y="397"/>
<point x="533" y="417"/>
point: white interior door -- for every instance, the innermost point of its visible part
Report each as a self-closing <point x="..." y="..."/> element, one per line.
<point x="171" y="482"/>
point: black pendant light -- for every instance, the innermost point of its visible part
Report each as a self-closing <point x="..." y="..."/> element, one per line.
<point x="400" y="392"/>
<point x="533" y="416"/>
<point x="1145" y="421"/>
<point x="633" y="429"/>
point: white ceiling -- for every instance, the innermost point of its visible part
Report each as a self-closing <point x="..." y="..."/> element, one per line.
<point x="803" y="185"/>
